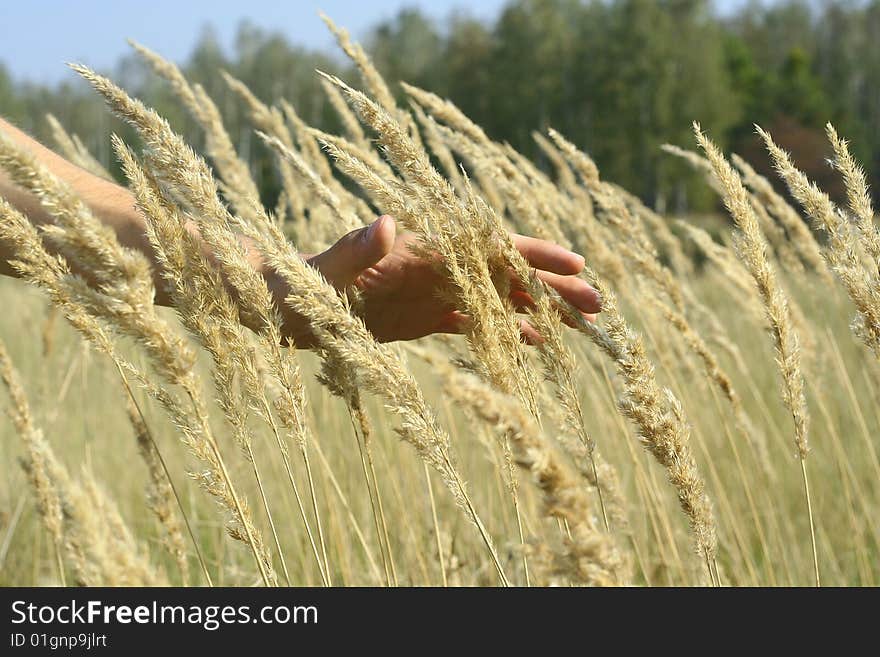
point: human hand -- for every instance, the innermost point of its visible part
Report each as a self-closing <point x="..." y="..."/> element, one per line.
<point x="399" y="289"/>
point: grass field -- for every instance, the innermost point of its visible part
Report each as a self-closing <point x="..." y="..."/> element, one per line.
<point x="763" y="530"/>
<point x="707" y="430"/>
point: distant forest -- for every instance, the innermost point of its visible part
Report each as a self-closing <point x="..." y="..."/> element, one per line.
<point x="618" y="77"/>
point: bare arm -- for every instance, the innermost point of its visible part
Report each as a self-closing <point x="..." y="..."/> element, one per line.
<point x="400" y="290"/>
<point x="112" y="204"/>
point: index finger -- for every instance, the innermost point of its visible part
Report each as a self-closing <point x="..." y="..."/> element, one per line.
<point x="548" y="256"/>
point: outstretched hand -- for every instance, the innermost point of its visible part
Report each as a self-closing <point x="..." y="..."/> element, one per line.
<point x="399" y="289"/>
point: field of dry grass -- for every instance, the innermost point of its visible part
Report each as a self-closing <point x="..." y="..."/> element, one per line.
<point x="716" y="426"/>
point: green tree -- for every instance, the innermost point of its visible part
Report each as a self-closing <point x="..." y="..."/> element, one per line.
<point x="408" y="48"/>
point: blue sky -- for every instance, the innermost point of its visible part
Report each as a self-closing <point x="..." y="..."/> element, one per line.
<point x="38" y="36"/>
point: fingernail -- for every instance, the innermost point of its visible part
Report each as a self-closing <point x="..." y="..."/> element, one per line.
<point x="371" y="231"/>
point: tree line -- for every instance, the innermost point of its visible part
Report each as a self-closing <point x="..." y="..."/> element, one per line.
<point x="618" y="77"/>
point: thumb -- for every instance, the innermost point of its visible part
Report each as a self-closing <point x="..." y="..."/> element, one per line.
<point x="360" y="249"/>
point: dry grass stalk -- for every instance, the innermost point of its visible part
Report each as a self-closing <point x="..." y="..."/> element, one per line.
<point x="123" y="299"/>
<point x="211" y="316"/>
<point x="112" y="555"/>
<point x="72" y="148"/>
<point x="565" y="178"/>
<point x="373" y="79"/>
<point x="636" y="246"/>
<point x="346" y="220"/>
<point x="843" y="248"/>
<point x="350" y="123"/>
<point x="311" y="151"/>
<point x="584" y="230"/>
<point x="557" y="359"/>
<point x="696" y="161"/>
<point x="81" y="518"/>
<point x="446" y="367"/>
<point x="639" y="249"/>
<point x="446" y="112"/>
<point x="161" y="497"/>
<point x="238" y="184"/>
<point x="340" y="334"/>
<point x="525" y="201"/>
<point x="208" y="311"/>
<point x="253" y="296"/>
<point x="798" y="231"/>
<point x="38" y="461"/>
<point x="312" y="154"/>
<point x="658" y="416"/>
<point x="271" y="121"/>
<point x="438" y="147"/>
<point x="391" y="199"/>
<point x="339" y="379"/>
<point x="377" y="369"/>
<point x="547" y="319"/>
<point x="751" y="246"/>
<point x="367" y="155"/>
<point x="458" y="231"/>
<point x="77" y="233"/>
<point x="859" y="197"/>
<point x="775" y="233"/>
<point x="65" y="290"/>
<point x="559" y="367"/>
<point x="729" y="269"/>
<point x="716" y="374"/>
<point x="345" y="339"/>
<point x="660" y="231"/>
<point x="590" y="556"/>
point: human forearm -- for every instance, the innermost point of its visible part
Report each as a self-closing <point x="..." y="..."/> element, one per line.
<point x="115" y="207"/>
<point x="112" y="204"/>
<point x="399" y="299"/>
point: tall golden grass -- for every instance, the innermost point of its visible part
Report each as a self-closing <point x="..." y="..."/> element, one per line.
<point x="474" y="460"/>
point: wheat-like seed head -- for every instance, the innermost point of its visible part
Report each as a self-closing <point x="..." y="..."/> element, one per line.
<point x="842" y="252"/>
<point x="238" y="185"/>
<point x="752" y="248"/>
<point x="346" y="219"/>
<point x="859" y="197"/>
<point x="657" y="414"/>
<point x="80" y="235"/>
<point x="798" y="232"/>
<point x="72" y="148"/>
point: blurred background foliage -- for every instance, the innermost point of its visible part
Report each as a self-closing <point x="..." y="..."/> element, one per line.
<point x="619" y="77"/>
